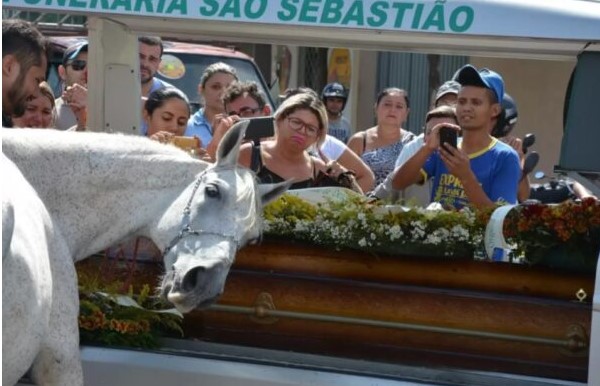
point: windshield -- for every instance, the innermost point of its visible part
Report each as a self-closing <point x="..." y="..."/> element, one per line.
<point x="194" y="65"/>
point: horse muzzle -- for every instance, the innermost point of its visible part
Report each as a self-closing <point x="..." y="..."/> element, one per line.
<point x="197" y="281"/>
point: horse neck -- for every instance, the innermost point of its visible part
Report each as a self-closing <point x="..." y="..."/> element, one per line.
<point x="101" y="188"/>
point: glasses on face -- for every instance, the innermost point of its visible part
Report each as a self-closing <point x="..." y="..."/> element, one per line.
<point x="245" y="112"/>
<point x="297" y="124"/>
<point x="78" y="65"/>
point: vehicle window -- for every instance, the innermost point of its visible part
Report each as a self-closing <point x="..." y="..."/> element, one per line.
<point x="579" y="148"/>
<point x="195" y="65"/>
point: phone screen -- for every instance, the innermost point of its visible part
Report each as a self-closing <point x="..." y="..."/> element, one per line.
<point x="448" y="135"/>
<point x="260" y="127"/>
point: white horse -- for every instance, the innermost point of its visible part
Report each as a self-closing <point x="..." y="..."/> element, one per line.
<point x="95" y="190"/>
<point x="33" y="298"/>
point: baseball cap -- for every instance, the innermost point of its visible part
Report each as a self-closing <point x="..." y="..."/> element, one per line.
<point x="74" y="50"/>
<point x="449" y="87"/>
<point x="470" y="76"/>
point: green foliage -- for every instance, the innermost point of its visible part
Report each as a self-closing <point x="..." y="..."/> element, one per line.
<point x="130" y="320"/>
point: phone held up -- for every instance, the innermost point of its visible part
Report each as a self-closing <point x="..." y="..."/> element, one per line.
<point x="448" y="135"/>
<point x="186" y="143"/>
<point x="259" y="127"/>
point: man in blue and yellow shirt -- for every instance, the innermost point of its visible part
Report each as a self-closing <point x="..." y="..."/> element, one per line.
<point x="482" y="171"/>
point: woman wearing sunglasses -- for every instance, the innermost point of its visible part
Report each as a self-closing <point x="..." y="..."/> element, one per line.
<point x="300" y="123"/>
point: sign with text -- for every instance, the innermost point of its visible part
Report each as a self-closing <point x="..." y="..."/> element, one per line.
<point x="527" y="18"/>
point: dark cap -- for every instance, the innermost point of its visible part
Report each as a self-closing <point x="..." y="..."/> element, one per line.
<point x="73" y="51"/>
<point x="469" y="76"/>
<point x="449" y="87"/>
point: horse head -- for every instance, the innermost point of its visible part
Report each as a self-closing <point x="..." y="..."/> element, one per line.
<point x="222" y="213"/>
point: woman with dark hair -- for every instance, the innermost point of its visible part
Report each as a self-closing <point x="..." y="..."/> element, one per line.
<point x="39" y="110"/>
<point x="380" y="145"/>
<point x="166" y="113"/>
<point x="213" y="82"/>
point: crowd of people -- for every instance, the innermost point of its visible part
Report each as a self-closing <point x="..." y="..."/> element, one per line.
<point x="312" y="142"/>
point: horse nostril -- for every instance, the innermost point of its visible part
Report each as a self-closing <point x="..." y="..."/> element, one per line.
<point x="191" y="279"/>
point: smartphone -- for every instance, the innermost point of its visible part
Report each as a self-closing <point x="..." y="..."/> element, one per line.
<point x="448" y="135"/>
<point x="186" y="143"/>
<point x="260" y="127"/>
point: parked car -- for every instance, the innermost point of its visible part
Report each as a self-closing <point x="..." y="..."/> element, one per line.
<point x="182" y="65"/>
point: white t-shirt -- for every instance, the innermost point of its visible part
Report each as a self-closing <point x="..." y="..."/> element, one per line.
<point x="409" y="150"/>
<point x="333" y="148"/>
<point x="65" y="118"/>
<point x="419" y="194"/>
<point x="416" y="194"/>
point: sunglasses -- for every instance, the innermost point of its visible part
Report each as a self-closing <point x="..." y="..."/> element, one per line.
<point x="245" y="112"/>
<point x="78" y="65"/>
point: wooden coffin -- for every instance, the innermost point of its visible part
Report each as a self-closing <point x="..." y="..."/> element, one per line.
<point x="419" y="311"/>
<point x="424" y="311"/>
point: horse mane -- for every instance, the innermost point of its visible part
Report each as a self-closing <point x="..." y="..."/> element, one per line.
<point x="106" y="156"/>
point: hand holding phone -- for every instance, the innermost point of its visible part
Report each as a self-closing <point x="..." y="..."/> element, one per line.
<point x="192" y="145"/>
<point x="186" y="143"/>
<point x="448" y="135"/>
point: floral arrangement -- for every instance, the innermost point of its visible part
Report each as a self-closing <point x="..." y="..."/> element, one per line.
<point x="571" y="228"/>
<point x="355" y="223"/>
<point x="374" y="227"/>
<point x="131" y="319"/>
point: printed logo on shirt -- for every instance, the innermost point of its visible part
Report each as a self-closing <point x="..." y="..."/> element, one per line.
<point x="450" y="192"/>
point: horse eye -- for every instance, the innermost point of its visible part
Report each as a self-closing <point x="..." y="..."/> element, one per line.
<point x="212" y="191"/>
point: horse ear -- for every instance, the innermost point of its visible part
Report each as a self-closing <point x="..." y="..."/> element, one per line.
<point x="269" y="192"/>
<point x="229" y="148"/>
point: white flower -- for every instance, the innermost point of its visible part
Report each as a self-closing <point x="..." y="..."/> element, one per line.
<point x="460" y="233"/>
<point x="395" y="232"/>
<point x="302" y="226"/>
<point x="418" y="230"/>
<point x="433" y="239"/>
<point x="362" y="242"/>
